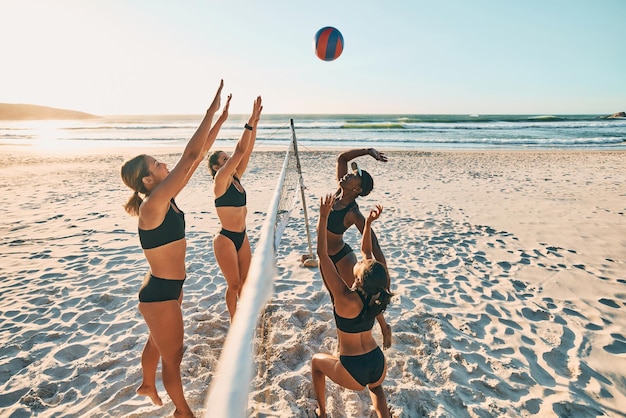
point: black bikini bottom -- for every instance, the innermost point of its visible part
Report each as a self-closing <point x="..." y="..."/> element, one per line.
<point x="365" y="368"/>
<point x="159" y="290"/>
<point x="345" y="250"/>
<point x="236" y="237"/>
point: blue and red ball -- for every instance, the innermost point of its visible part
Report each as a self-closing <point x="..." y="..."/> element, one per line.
<point x="328" y="43"/>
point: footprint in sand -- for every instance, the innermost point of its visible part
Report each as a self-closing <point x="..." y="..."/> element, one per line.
<point x="538" y="373"/>
<point x="533" y="405"/>
<point x="539" y="315"/>
<point x="609" y="302"/>
<point x="569" y="409"/>
<point x="505" y="265"/>
<point x="572" y="312"/>
<point x="618" y="346"/>
<point x="557" y="358"/>
<point x="71" y="353"/>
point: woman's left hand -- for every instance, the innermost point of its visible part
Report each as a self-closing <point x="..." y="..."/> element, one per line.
<point x="380" y="156"/>
<point x="256" y="111"/>
<point x="374" y="214"/>
<point x="224" y="114"/>
<point x="326" y="205"/>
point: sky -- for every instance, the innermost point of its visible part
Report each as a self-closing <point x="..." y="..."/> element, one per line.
<point x="113" y="57"/>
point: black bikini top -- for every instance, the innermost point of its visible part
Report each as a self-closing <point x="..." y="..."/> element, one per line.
<point x="336" y="217"/>
<point x="232" y="196"/>
<point x="171" y="229"/>
<point x="358" y="324"/>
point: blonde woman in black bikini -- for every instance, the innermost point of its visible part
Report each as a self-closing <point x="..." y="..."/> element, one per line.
<point x="345" y="213"/>
<point x="162" y="235"/>
<point x="231" y="245"/>
<point x="361" y="362"/>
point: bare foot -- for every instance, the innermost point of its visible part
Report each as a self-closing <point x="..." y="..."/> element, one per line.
<point x="150" y="392"/>
<point x="179" y="414"/>
<point x="386" y="336"/>
<point x="319" y="414"/>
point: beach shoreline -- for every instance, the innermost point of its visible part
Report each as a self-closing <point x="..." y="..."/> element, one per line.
<point x="508" y="268"/>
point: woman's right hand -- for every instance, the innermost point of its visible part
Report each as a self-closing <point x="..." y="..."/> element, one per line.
<point x="326" y="205"/>
<point x="215" y="106"/>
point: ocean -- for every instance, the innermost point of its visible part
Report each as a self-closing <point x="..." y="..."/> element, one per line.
<point x="386" y="132"/>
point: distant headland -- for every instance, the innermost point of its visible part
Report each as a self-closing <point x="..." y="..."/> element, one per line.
<point x="11" y="111"/>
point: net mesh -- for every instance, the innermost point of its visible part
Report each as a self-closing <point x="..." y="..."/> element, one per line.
<point x="228" y="392"/>
<point x="288" y="193"/>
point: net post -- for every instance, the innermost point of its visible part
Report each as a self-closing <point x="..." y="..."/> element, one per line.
<point x="313" y="262"/>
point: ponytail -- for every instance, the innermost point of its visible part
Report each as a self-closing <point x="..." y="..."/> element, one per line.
<point x="376" y="302"/>
<point x="132" y="206"/>
<point x="377" y="297"/>
<point x="133" y="171"/>
<point x="212" y="160"/>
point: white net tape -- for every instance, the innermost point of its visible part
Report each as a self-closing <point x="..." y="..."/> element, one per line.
<point x="228" y="392"/>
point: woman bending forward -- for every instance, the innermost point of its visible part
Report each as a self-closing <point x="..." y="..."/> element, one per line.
<point x="361" y="362"/>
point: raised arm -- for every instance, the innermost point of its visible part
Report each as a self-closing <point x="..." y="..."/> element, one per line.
<point x="254" y="122"/>
<point x="242" y="149"/>
<point x="332" y="280"/>
<point x="215" y="129"/>
<point x="182" y="171"/>
<point x="347" y="156"/>
<point x="212" y="136"/>
<point x="367" y="247"/>
<point x="357" y="218"/>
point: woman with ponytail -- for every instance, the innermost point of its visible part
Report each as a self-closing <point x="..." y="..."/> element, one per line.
<point x="361" y="362"/>
<point x="161" y="227"/>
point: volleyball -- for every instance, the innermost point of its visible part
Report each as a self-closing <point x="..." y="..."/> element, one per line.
<point x="328" y="43"/>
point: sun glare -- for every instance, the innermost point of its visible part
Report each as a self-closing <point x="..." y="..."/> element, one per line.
<point x="43" y="135"/>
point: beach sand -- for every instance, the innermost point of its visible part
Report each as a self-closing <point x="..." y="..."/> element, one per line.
<point x="508" y="268"/>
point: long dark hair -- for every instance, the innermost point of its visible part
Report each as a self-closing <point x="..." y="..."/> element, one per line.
<point x="377" y="297"/>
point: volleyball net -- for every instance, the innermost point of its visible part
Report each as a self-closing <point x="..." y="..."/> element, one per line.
<point x="230" y="386"/>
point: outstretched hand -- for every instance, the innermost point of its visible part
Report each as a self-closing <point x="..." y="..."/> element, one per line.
<point x="256" y="110"/>
<point x="216" y="100"/>
<point x="374" y="214"/>
<point x="326" y="205"/>
<point x="224" y="114"/>
<point x="380" y="156"/>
